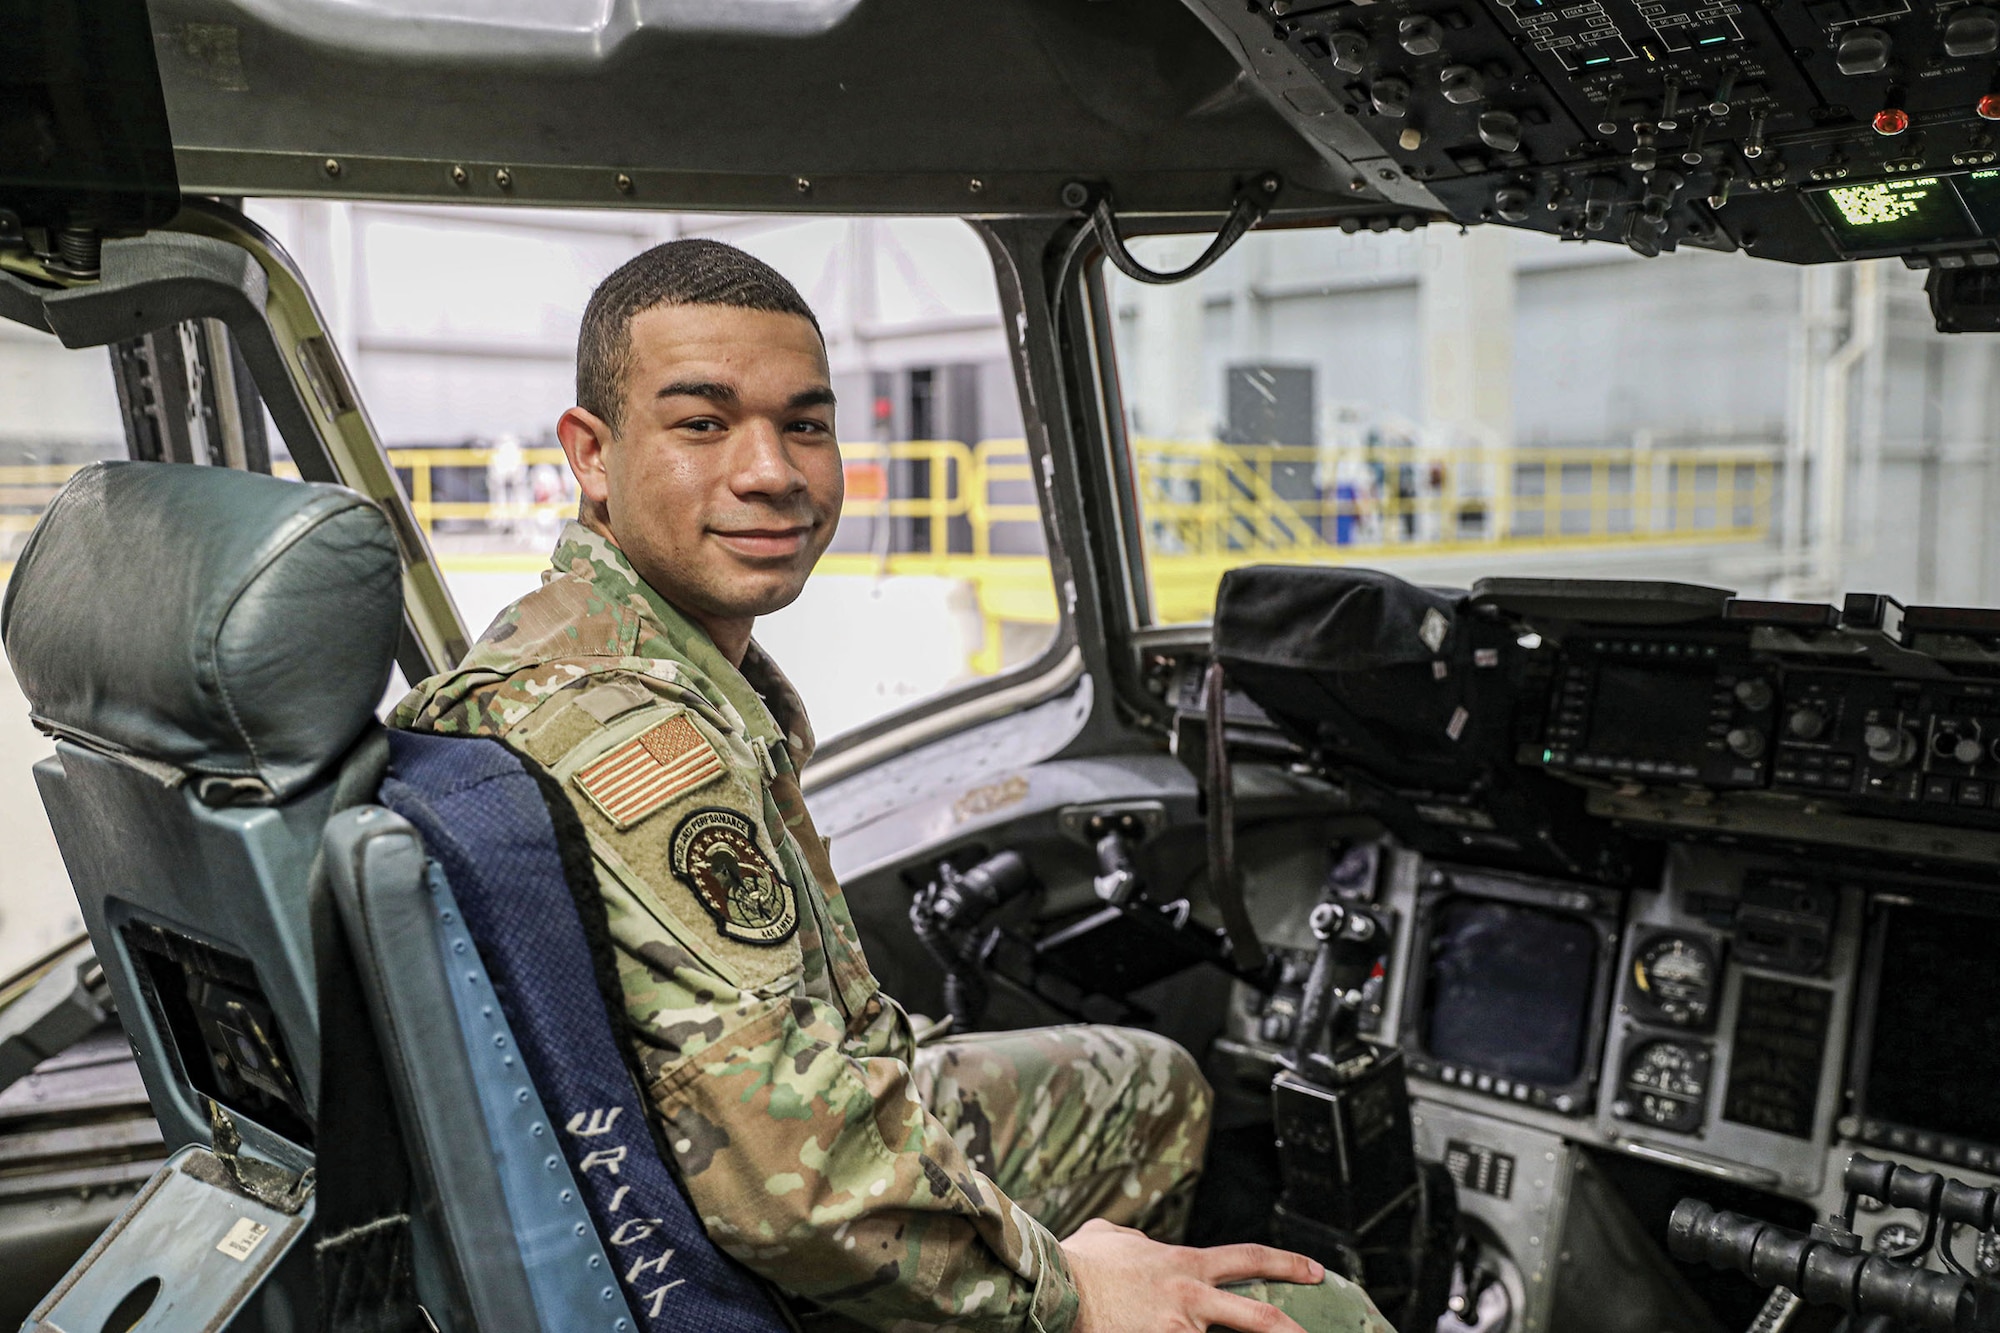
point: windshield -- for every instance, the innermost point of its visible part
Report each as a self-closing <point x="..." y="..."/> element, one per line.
<point x="58" y="411"/>
<point x="460" y="329"/>
<point x="1450" y="404"/>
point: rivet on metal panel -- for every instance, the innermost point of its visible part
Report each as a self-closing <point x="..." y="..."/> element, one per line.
<point x="331" y="166"/>
<point x="503" y="178"/>
<point x="460" y="177"/>
<point x="624" y="183"/>
<point x="975" y="185"/>
<point x="802" y="185"/>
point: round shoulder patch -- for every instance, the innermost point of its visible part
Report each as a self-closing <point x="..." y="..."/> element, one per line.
<point x="714" y="852"/>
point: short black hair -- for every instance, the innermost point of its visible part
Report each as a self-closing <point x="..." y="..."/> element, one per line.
<point x="693" y="271"/>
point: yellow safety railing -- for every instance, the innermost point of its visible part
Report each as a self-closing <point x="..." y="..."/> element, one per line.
<point x="1204" y="508"/>
<point x="1209" y="507"/>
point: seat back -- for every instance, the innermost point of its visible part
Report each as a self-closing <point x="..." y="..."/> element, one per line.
<point x="300" y="982"/>
<point x="207" y="648"/>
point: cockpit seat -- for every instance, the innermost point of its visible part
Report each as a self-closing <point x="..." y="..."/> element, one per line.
<point x="351" y="964"/>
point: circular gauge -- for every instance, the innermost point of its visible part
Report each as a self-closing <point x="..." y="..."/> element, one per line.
<point x="1666" y="1085"/>
<point x="1675" y="979"/>
<point x="1896" y="1238"/>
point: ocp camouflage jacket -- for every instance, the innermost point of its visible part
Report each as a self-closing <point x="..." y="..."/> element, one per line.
<point x="778" y="1068"/>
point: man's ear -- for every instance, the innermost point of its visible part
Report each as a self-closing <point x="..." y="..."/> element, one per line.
<point x="585" y="436"/>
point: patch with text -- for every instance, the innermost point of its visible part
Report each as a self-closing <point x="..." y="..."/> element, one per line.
<point x="715" y="853"/>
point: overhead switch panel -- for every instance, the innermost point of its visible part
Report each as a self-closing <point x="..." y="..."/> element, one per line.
<point x="1802" y="130"/>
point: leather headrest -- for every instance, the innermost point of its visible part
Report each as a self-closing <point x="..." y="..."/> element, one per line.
<point x="231" y="626"/>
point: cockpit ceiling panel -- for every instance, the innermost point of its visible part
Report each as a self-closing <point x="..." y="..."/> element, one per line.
<point x="1799" y="130"/>
<point x="947" y="106"/>
<point x="581" y="32"/>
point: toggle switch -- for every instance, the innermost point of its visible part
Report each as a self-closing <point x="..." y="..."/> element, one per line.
<point x="1670" y="104"/>
<point x="1696" y="152"/>
<point x="1718" y="193"/>
<point x="1718" y="105"/>
<point x="1646" y="155"/>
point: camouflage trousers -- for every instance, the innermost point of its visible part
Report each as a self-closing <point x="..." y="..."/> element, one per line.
<point x="1076" y="1122"/>
<point x="1082" y="1122"/>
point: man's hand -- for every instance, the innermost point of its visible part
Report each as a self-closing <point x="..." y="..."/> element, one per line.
<point x="1127" y="1283"/>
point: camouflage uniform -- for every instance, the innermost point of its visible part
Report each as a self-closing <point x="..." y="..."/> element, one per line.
<point x="903" y="1188"/>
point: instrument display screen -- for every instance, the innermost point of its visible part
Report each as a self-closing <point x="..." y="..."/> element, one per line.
<point x="1510" y="989"/>
<point x="1934" y="1054"/>
<point x="1888" y="215"/>
<point x="1649" y="713"/>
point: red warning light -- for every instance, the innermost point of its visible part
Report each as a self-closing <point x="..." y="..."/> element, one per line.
<point x="1891" y="121"/>
<point x="1989" y="106"/>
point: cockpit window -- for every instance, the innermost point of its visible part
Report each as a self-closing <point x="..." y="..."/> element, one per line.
<point x="460" y="328"/>
<point x="58" y="411"/>
<point x="1448" y="404"/>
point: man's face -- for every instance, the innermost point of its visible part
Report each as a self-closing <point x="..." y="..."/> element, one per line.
<point x="724" y="483"/>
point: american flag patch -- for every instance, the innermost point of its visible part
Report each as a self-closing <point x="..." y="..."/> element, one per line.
<point x="648" y="771"/>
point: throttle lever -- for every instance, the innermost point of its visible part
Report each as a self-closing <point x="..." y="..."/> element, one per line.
<point x="1350" y="944"/>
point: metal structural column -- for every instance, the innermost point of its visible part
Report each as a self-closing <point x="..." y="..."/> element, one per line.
<point x="1465" y="323"/>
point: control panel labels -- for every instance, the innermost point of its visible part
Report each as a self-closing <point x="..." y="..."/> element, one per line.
<point x="1480" y="1169"/>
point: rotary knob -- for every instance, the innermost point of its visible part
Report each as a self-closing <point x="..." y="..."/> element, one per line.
<point x="1390" y="97"/>
<point x="1806" y="724"/>
<point x="1754" y="693"/>
<point x="1745" y="743"/>
<point x="1420" y="36"/>
<point x="1892" y="747"/>
<point x="1500" y="131"/>
<point x="1968" y="751"/>
<point x="1462" y="84"/>
<point x="1350" y="51"/>
<point x="1511" y="203"/>
<point x="1863" y="51"/>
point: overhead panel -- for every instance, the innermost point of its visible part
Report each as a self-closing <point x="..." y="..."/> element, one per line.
<point x="824" y="106"/>
<point x="1802" y="130"/>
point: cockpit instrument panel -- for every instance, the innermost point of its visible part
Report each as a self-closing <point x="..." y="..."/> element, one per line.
<point x="1805" y="130"/>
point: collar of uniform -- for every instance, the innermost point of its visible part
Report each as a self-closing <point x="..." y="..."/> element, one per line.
<point x="671" y="633"/>
<point x="787" y="708"/>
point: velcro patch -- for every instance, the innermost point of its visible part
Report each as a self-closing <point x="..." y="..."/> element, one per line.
<point x="715" y="853"/>
<point x="648" y="771"/>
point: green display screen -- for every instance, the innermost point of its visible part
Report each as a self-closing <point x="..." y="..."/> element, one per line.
<point x="1888" y="215"/>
